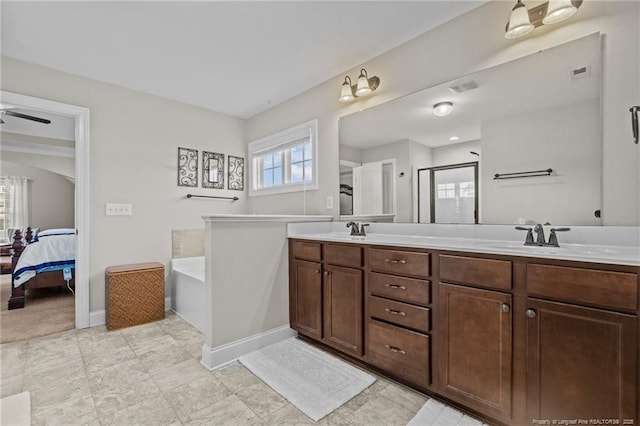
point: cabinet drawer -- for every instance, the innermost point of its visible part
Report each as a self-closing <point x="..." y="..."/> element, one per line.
<point x="400" y="288"/>
<point x="306" y="250"/>
<point x="403" y="314"/>
<point x="399" y="262"/>
<point x="343" y="255"/>
<point x="584" y="286"/>
<point x="401" y="352"/>
<point x="482" y="272"/>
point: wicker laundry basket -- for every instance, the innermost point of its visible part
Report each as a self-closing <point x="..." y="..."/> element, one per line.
<point x="134" y="294"/>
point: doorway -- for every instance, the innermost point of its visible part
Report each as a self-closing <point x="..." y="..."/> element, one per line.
<point x="448" y="194"/>
<point x="81" y="117"/>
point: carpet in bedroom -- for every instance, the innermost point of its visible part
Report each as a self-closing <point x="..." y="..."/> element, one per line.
<point x="47" y="311"/>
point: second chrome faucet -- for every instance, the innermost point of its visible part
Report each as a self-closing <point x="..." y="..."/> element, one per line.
<point x="357" y="229"/>
<point x="540" y="240"/>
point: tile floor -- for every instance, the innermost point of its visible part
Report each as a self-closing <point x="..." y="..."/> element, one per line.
<point x="151" y="374"/>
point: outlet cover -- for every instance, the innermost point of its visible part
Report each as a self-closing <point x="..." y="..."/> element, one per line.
<point x="113" y="209"/>
<point x="329" y="202"/>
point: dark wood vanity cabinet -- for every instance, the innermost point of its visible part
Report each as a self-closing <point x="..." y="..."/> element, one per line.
<point x="512" y="339"/>
<point x="476" y="333"/>
<point x="342" y="310"/>
<point x="398" y="313"/>
<point x="581" y="363"/>
<point x="305" y="289"/>
<point x="326" y="294"/>
<point x="582" y="344"/>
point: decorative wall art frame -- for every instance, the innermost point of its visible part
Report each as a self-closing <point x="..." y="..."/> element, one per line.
<point x="212" y="170"/>
<point x="236" y="173"/>
<point x="187" y="167"/>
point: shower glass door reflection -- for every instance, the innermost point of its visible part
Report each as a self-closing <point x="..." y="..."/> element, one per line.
<point x="448" y="194"/>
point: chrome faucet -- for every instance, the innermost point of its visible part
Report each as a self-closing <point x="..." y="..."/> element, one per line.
<point x="539" y="230"/>
<point x="540" y="240"/>
<point x="357" y="230"/>
<point x="553" y="238"/>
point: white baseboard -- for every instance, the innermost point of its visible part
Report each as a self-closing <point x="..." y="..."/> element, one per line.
<point x="100" y="317"/>
<point x="97" y="318"/>
<point x="219" y="356"/>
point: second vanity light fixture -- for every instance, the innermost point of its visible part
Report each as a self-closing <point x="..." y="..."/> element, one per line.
<point x="523" y="21"/>
<point x="364" y="87"/>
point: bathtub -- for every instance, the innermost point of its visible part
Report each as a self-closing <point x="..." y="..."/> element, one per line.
<point x="187" y="290"/>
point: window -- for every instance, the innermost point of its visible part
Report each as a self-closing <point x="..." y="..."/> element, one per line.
<point x="14" y="204"/>
<point x="285" y="161"/>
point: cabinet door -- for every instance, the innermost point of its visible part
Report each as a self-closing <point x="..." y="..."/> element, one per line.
<point x="580" y="363"/>
<point x="476" y="349"/>
<point x="343" y="293"/>
<point x="306" y="298"/>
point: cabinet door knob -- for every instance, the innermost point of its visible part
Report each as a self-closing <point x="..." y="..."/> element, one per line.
<point x="317" y="271"/>
<point x="531" y="313"/>
<point x="326" y="273"/>
<point x="506" y="308"/>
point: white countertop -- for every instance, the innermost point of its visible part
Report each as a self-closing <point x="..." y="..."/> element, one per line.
<point x="612" y="254"/>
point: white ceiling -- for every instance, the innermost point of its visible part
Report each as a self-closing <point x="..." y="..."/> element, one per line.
<point x="238" y="57"/>
<point x="61" y="127"/>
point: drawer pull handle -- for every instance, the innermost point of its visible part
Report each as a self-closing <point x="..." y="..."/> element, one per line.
<point x="531" y="313"/>
<point x="395" y="350"/>
<point x="394" y="261"/>
<point x="396" y="286"/>
<point x="394" y="312"/>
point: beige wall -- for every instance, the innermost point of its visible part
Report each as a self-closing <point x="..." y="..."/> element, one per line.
<point x="133" y="142"/>
<point x="466" y="44"/>
<point x="571" y="194"/>
<point x="52" y="196"/>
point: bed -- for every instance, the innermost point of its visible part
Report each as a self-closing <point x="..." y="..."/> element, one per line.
<point x="46" y="259"/>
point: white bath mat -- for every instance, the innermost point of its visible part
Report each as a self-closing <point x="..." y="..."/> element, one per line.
<point x="310" y="379"/>
<point x="436" y="413"/>
<point x="15" y="410"/>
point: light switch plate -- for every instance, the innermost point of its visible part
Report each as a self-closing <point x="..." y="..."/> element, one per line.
<point x="113" y="209"/>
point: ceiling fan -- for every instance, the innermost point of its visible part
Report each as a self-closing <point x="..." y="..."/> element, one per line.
<point x="12" y="113"/>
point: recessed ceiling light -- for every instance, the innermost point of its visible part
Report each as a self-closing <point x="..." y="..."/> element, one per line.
<point x="442" y="109"/>
<point x="454" y="138"/>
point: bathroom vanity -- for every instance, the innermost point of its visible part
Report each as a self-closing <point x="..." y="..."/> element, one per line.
<point x="513" y="338"/>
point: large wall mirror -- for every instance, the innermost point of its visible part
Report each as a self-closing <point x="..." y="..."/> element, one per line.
<point x="522" y="144"/>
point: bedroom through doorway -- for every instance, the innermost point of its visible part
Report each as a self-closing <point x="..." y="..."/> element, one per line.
<point x="44" y="195"/>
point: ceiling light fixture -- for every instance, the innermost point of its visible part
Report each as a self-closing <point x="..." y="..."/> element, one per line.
<point x="523" y="21"/>
<point x="442" y="109"/>
<point x="454" y="138"/>
<point x="365" y="86"/>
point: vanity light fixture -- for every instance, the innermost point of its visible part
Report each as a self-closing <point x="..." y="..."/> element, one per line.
<point x="454" y="138"/>
<point x="519" y="23"/>
<point x="442" y="109"/>
<point x="365" y="86"/>
<point x="523" y="21"/>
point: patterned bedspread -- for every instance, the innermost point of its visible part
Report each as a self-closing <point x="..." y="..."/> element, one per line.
<point x="52" y="252"/>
